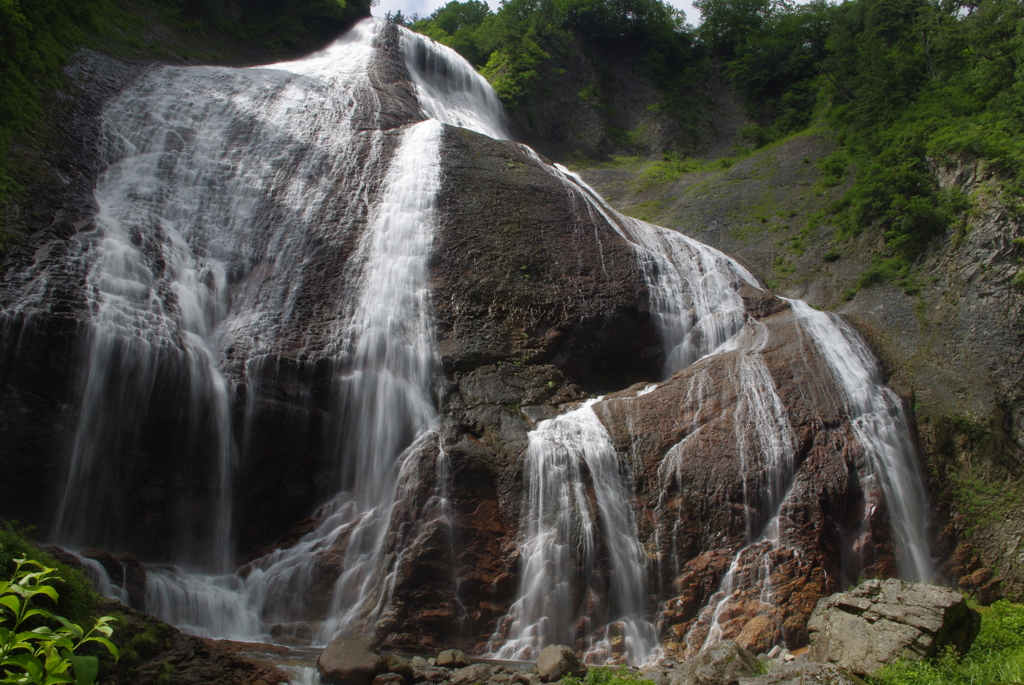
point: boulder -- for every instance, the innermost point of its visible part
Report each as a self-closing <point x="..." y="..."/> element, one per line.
<point x="805" y="674"/>
<point x="557" y="661"/>
<point x="721" y="664"/>
<point x="477" y="673"/>
<point x="453" y="658"/>
<point x="881" y="621"/>
<point x="656" y="674"/>
<point x="398" y="664"/>
<point x="349" y="661"/>
<point x="389" y="679"/>
<point x="424" y="671"/>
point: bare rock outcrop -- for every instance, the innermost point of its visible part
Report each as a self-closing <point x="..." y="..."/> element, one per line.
<point x="881" y="621"/>
<point x="558" y="661"/>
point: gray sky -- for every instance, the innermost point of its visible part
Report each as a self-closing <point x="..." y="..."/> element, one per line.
<point x="425" y="7"/>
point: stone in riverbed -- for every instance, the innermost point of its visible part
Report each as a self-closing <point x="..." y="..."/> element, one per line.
<point x="881" y="621"/>
<point x="477" y="673"/>
<point x="721" y="664"/>
<point x="556" y="662"/>
<point x="804" y="674"/>
<point x="400" y="665"/>
<point x="389" y="679"/>
<point x="453" y="658"/>
<point x="349" y="661"/>
<point x="424" y="671"/>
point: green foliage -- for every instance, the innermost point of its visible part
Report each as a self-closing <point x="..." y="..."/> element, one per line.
<point x="976" y="431"/>
<point x="77" y="597"/>
<point x="600" y="675"/>
<point x="32" y="650"/>
<point x="510" y="45"/>
<point x="997" y="655"/>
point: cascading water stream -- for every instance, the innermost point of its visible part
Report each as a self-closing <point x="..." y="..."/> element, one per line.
<point x="880" y="424"/>
<point x="699" y="312"/>
<point x="562" y="583"/>
<point x="766" y="446"/>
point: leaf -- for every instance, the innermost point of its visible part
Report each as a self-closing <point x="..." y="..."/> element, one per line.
<point x="86" y="668"/>
<point x="11" y="602"/>
<point x="26" y="662"/>
<point x="55" y="678"/>
<point x="73" y="628"/>
<point x="37" y="612"/>
<point x="106" y="643"/>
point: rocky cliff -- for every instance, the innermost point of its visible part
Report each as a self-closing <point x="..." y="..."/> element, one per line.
<point x="199" y="355"/>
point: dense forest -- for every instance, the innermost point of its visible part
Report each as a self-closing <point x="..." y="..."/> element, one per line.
<point x="902" y="83"/>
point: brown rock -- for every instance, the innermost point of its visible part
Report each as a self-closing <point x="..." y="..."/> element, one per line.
<point x="557" y="661"/>
<point x="453" y="658"/>
<point x="349" y="661"/>
<point x="477" y="673"/>
<point x="389" y="679"/>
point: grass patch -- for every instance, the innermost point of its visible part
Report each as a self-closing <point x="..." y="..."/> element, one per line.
<point x="602" y="675"/>
<point x="997" y="655"/>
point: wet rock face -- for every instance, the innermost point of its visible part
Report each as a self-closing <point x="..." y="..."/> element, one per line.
<point x="879" y="622"/>
<point x="528" y="314"/>
<point x="698" y="491"/>
<point x="176" y="658"/>
<point x="524" y="272"/>
<point x="40" y="348"/>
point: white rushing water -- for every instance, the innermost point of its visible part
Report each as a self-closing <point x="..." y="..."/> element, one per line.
<point x="881" y="426"/>
<point x="564" y="533"/>
<point x="193" y="156"/>
<point x="450" y="90"/>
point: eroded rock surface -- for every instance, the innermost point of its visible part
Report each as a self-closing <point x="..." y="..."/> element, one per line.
<point x="881" y="621"/>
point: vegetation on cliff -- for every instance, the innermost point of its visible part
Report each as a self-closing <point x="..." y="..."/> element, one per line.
<point x="903" y="83"/>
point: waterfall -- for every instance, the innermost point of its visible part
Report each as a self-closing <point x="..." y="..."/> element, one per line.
<point x="699" y="312"/>
<point x="194" y="176"/>
<point x="450" y="90"/>
<point x="221" y="188"/>
<point x="880" y="424"/>
<point x="562" y="585"/>
<point x="219" y="185"/>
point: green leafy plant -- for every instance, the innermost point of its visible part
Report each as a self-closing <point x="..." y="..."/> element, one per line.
<point x="609" y="676"/>
<point x="42" y="654"/>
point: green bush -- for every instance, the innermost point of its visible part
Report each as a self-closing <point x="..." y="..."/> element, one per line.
<point x="38" y="646"/>
<point x="600" y="675"/>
